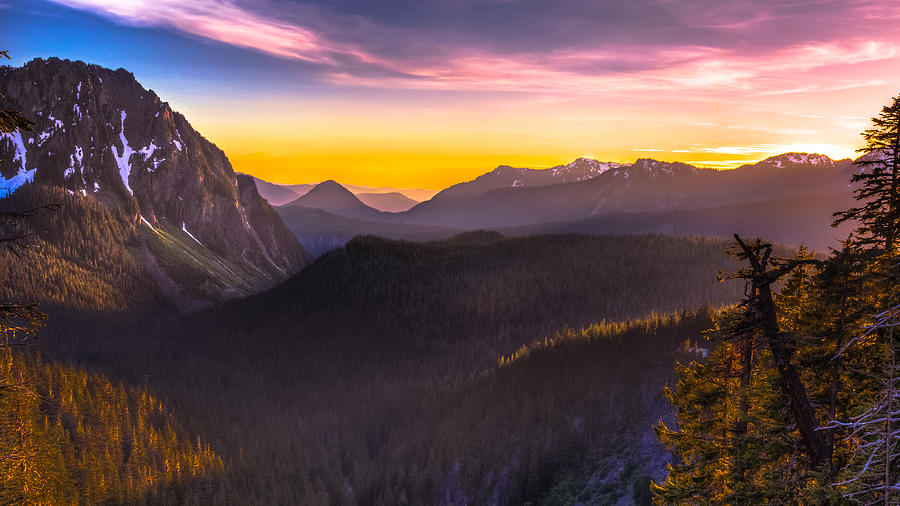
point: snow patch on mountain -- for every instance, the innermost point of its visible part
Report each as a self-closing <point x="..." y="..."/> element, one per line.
<point x="178" y="142"/>
<point x="184" y="228"/>
<point x="123" y="160"/>
<point x="57" y="123"/>
<point x="148" y="153"/>
<point x="147" y="223"/>
<point x="22" y="176"/>
<point x="149" y="150"/>
<point x="77" y="156"/>
<point x="582" y="169"/>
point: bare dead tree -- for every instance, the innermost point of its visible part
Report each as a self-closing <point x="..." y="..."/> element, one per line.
<point x="761" y="314"/>
<point x="875" y="433"/>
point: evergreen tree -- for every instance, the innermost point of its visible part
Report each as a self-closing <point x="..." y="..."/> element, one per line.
<point x="826" y="369"/>
<point x="10" y="120"/>
<point x="879" y="189"/>
<point x="747" y="432"/>
<point x="762" y="314"/>
<point x="872" y="475"/>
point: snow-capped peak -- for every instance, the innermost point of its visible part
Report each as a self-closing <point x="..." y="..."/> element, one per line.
<point x="655" y="168"/>
<point x="581" y="169"/>
<point x="814" y="159"/>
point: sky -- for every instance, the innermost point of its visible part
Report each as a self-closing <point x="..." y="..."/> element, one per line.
<point x="419" y="93"/>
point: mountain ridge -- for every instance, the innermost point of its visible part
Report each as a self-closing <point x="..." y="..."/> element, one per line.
<point x="280" y="194"/>
<point x="643" y="186"/>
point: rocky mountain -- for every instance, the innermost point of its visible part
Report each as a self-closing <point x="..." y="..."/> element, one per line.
<point x="391" y="202"/>
<point x="101" y="136"/>
<point x="330" y="196"/>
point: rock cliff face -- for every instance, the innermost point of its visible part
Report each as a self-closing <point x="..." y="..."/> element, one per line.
<point x="100" y="134"/>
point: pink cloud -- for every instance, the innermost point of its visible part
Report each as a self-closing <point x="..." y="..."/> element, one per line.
<point x="686" y="69"/>
<point x="611" y="69"/>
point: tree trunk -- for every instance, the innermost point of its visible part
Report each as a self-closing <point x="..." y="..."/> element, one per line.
<point x="746" y="359"/>
<point x="791" y="385"/>
<point x="835" y="381"/>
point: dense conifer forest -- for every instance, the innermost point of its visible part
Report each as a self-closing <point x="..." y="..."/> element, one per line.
<point x="354" y="381"/>
<point x="73" y="437"/>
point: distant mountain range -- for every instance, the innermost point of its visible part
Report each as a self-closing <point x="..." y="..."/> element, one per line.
<point x="202" y="231"/>
<point x="787" y="198"/>
<point x="644" y="186"/>
<point x="386" y="199"/>
<point x="329" y="215"/>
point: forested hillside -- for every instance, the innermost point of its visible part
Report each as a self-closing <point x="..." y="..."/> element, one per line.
<point x="78" y="253"/>
<point x="73" y="437"/>
<point x="560" y="421"/>
<point x="309" y="390"/>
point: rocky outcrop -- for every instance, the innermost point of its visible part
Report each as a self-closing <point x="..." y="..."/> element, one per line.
<point x="100" y="134"/>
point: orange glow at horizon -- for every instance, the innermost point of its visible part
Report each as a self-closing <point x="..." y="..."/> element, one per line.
<point x="405" y="142"/>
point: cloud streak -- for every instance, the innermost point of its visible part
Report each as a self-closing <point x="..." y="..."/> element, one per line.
<point x="226" y="22"/>
<point x="688" y="70"/>
<point x="345" y="48"/>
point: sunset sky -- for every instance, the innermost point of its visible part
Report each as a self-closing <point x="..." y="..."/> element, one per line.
<point x="429" y="93"/>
